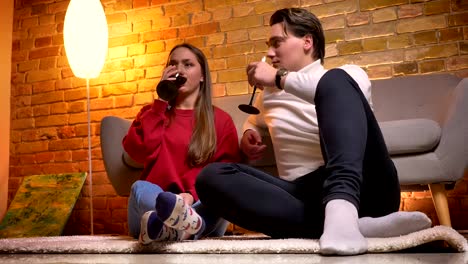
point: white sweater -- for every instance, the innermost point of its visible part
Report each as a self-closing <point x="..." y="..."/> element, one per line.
<point x="291" y="119"/>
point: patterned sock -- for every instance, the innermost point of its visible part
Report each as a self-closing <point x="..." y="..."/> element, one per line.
<point x="174" y="212"/>
<point x="153" y="229"/>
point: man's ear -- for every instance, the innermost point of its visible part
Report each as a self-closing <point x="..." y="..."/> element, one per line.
<point x="308" y="42"/>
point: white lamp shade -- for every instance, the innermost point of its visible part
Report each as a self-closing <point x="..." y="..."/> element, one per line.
<point x="85" y="37"/>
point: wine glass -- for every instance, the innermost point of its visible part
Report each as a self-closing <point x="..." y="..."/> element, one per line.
<point x="249" y="108"/>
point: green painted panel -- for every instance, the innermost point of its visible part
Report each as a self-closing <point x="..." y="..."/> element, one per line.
<point x="42" y="205"/>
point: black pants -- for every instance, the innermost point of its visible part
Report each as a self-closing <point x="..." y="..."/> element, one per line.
<point x="357" y="168"/>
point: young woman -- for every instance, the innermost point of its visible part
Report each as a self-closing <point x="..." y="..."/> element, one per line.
<point x="175" y="140"/>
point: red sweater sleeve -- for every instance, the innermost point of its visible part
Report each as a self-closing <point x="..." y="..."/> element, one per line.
<point x="144" y="135"/>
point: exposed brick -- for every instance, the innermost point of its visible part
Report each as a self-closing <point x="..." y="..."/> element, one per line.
<point x="376" y="58"/>
<point x="29" y="22"/>
<point x="431" y="52"/>
<point x="141" y="26"/>
<point x="42" y="75"/>
<point x="412" y="10"/>
<point x="57" y="7"/>
<point x="123" y="40"/>
<point x="231" y="75"/>
<point x="143" y="99"/>
<point x="42" y="31"/>
<point x="432" y="66"/>
<point x="405" y="68"/>
<point x="231" y="50"/>
<point x="223" y="13"/>
<point x="332" y="9"/>
<point x="197" y="30"/>
<point x="332" y="36"/>
<point x="399" y="41"/>
<point x="215" y="39"/>
<point x="28" y="65"/>
<point x="218" y="89"/>
<point x="52" y="120"/>
<point x="421" y="23"/>
<point x="123" y="5"/>
<point x="41" y="110"/>
<point x="123" y="101"/>
<point x="222" y="64"/>
<point x="236" y="88"/>
<point x="459" y="5"/>
<point x="45" y="98"/>
<point x="437" y="7"/>
<point x="141" y="3"/>
<point x="464" y="47"/>
<point x="25" y="112"/>
<point x="47" y="63"/>
<point x="331" y="50"/>
<point x="357" y="19"/>
<point x="237" y="36"/>
<point x="240" y="23"/>
<point x="425" y="38"/>
<point x="350" y="47"/>
<point x="32" y="147"/>
<point x="450" y="34"/>
<point x="116" y="18"/>
<point x="376" y="4"/>
<point x="374" y="30"/>
<point x="215" y="4"/>
<point x="384" y="15"/>
<point x="242" y="10"/>
<point x="334" y="22"/>
<point x="379" y="72"/>
<point x="44" y="52"/>
<point x="458" y="19"/>
<point x="47" y="19"/>
<point x="457" y="63"/>
<point x="43" y="42"/>
<point x="259" y="33"/>
<point x="153" y="72"/>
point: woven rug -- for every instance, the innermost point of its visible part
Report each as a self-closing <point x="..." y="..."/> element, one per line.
<point x="224" y="245"/>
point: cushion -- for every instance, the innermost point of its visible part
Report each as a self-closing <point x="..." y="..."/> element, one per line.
<point x="410" y="135"/>
<point x="127" y="160"/>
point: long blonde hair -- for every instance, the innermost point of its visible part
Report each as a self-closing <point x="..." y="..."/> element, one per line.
<point x="203" y="141"/>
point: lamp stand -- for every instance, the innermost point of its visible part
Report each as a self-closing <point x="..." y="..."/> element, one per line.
<point x="90" y="165"/>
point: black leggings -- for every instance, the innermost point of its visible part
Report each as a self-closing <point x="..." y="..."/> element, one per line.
<point x="357" y="168"/>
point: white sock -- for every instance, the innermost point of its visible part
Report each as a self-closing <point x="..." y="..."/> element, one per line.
<point x="394" y="224"/>
<point x="341" y="235"/>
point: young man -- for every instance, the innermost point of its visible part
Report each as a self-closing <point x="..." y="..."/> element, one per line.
<point x="336" y="179"/>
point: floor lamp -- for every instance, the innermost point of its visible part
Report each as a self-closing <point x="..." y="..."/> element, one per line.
<point x="85" y="37"/>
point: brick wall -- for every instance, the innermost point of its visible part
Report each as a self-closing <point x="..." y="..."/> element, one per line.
<point x="48" y="119"/>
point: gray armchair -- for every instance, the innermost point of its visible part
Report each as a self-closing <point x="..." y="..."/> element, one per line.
<point x="423" y="120"/>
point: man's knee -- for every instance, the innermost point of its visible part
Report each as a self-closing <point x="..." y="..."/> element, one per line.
<point x="207" y="173"/>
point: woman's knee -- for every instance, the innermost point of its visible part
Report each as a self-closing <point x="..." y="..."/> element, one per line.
<point x="137" y="185"/>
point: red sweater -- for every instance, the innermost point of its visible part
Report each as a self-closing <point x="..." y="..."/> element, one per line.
<point x="163" y="149"/>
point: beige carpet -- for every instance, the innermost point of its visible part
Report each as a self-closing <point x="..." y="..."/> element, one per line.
<point x="226" y="245"/>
